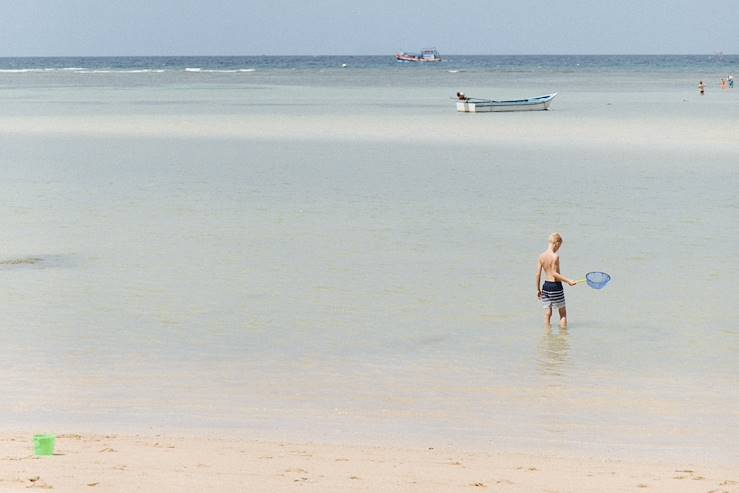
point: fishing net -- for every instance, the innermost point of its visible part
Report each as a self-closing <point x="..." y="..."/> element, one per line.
<point x="597" y="280"/>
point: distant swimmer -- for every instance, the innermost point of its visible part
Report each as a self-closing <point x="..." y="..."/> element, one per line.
<point x="702" y="88"/>
<point x="461" y="96"/>
<point x="731" y="81"/>
<point x="551" y="294"/>
<point x="723" y="84"/>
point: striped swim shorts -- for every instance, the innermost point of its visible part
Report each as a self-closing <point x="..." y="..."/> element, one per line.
<point x="552" y="295"/>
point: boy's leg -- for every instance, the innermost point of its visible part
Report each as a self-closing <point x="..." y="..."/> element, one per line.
<point x="548" y="317"/>
<point x="563" y="317"/>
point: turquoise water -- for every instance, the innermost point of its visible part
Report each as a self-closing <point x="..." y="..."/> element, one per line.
<point x="341" y="256"/>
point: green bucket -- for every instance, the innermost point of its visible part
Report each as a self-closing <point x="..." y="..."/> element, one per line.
<point x="44" y="444"/>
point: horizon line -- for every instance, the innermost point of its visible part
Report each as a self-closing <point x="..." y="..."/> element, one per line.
<point x="714" y="54"/>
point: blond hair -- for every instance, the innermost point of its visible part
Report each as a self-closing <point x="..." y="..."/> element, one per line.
<point x="555" y="238"/>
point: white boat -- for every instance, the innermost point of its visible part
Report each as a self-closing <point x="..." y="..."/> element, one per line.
<point x="475" y="105"/>
<point x="427" y="55"/>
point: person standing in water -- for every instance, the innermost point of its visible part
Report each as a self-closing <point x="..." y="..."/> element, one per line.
<point x="551" y="294"/>
<point x="702" y="88"/>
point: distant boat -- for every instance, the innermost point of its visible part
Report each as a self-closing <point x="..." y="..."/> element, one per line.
<point x="428" y="55"/>
<point x="475" y="105"/>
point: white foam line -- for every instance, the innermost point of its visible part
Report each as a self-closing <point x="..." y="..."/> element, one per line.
<point x="218" y="71"/>
<point x="136" y="71"/>
<point x="121" y="71"/>
<point x="26" y="70"/>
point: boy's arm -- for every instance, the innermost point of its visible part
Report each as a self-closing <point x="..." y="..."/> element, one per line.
<point x="538" y="279"/>
<point x="560" y="277"/>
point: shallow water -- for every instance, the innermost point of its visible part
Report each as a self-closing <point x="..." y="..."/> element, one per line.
<point x="333" y="258"/>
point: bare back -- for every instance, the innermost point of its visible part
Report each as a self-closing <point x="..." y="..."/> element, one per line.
<point x="549" y="262"/>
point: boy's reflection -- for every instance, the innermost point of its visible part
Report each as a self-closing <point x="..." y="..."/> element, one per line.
<point x="553" y="352"/>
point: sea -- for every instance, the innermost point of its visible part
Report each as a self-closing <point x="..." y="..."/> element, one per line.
<point x="323" y="249"/>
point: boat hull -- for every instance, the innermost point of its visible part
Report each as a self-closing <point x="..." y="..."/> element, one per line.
<point x="426" y="56"/>
<point x="488" y="106"/>
<point x="401" y="58"/>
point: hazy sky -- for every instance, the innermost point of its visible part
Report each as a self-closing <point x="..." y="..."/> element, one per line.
<point x="255" y="27"/>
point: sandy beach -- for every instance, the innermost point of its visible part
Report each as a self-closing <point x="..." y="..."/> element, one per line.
<point x="161" y="463"/>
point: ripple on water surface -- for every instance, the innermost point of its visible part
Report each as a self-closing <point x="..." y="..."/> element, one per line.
<point x="37" y="262"/>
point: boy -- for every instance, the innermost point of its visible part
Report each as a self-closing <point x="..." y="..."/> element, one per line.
<point x="551" y="294"/>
